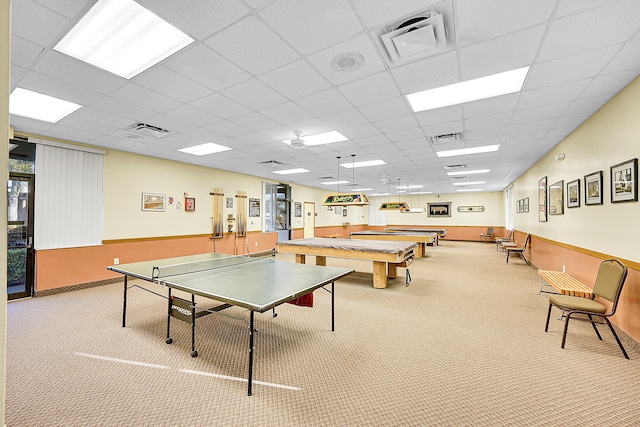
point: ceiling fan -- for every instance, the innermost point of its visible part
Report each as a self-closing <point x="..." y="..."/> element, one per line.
<point x="298" y="143"/>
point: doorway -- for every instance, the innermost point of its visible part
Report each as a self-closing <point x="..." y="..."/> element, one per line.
<point x="20" y="253"/>
<point x="309" y="220"/>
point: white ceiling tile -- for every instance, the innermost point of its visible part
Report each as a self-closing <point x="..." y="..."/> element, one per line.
<point x="252" y="46"/>
<point x="370" y="89"/>
<point x="415" y="134"/>
<point x="167" y="82"/>
<point x="587" y="105"/>
<point x="386" y="109"/>
<point x="443" y="128"/>
<point x="575" y="33"/>
<point x="287" y="113"/>
<point x="345" y="119"/>
<point x="362" y="132"/>
<point x="493" y="120"/>
<point x="76" y="72"/>
<point x="539" y="113"/>
<point x="24" y="52"/>
<point x="143" y="97"/>
<point x="253" y="94"/>
<point x="372" y="63"/>
<point x="227" y="128"/>
<point x="198" y="18"/>
<point x="36" y="23"/>
<point x="220" y="106"/>
<point x="428" y="73"/>
<point x="195" y="116"/>
<point x="199" y="62"/>
<point x="563" y="70"/>
<point x="254" y="121"/>
<point x="627" y="58"/>
<point x="552" y="94"/>
<point x="102" y="117"/>
<point x="295" y="80"/>
<point x="311" y="26"/>
<point x="396" y="124"/>
<point x="53" y="87"/>
<point x="326" y="102"/>
<point x="440" y="115"/>
<point x="568" y="7"/>
<point x="609" y="83"/>
<point x="501" y="54"/>
<point x="480" y="21"/>
<point x="497" y="104"/>
<point x="375" y="13"/>
<point x="117" y="107"/>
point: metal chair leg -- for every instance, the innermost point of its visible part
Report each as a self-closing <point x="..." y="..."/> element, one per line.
<point x="564" y="332"/>
<point x="594" y="327"/>
<point x="546" y="327"/>
<point x="626" y="356"/>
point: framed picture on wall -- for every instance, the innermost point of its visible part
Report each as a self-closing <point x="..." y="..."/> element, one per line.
<point x="573" y="194"/>
<point x="154" y="202"/>
<point x="593" y="188"/>
<point x="556" y="198"/>
<point x="189" y="204"/>
<point x="542" y="199"/>
<point x="624" y="181"/>
<point x="439" y="209"/>
<point x="526" y="205"/>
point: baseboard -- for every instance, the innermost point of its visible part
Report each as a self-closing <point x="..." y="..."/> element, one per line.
<point x="79" y="286"/>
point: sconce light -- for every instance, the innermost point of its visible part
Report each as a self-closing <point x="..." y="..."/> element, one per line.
<point x="560" y="157"/>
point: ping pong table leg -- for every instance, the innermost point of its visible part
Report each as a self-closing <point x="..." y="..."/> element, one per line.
<point x="251" y="331"/>
<point x="332" y="306"/>
<point x="194" y="353"/>
<point x="169" y="340"/>
<point x="124" y="303"/>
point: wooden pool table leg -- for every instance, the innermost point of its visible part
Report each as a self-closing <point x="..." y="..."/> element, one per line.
<point x="380" y="274"/>
<point x="420" y="250"/>
<point x="321" y="260"/>
<point x="300" y="258"/>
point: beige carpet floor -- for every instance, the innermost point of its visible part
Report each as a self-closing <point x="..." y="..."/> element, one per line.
<point x="463" y="345"/>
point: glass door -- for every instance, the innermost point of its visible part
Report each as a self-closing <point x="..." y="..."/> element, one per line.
<point x="20" y="255"/>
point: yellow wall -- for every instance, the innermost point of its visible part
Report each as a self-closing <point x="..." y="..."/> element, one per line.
<point x="582" y="237"/>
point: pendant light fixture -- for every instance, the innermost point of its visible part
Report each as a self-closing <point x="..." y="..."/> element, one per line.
<point x="395" y="206"/>
<point x="347" y="199"/>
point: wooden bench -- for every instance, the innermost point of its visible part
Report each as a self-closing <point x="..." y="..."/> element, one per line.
<point x="565" y="284"/>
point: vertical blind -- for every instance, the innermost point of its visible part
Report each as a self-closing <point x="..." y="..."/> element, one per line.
<point x="68" y="197"/>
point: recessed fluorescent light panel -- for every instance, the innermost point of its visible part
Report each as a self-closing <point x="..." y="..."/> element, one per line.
<point x="469" y="172"/>
<point x="35" y="105"/>
<point x="204" y="149"/>
<point x="465" y="151"/>
<point x="468" y="183"/>
<point x="471" y="90"/>
<point x="334" y="182"/>
<point x="409" y="187"/>
<point x="122" y="37"/>
<point x="291" y="171"/>
<point x="468" y="190"/>
<point x="363" y="164"/>
<point x="321" y="138"/>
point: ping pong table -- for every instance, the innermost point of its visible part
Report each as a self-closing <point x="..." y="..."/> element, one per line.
<point x="256" y="283"/>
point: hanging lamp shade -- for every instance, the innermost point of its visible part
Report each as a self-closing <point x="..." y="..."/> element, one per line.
<point x="397" y="206"/>
<point x="346" y="199"/>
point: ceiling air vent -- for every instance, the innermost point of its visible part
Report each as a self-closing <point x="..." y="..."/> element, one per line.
<point x="148" y="130"/>
<point x="271" y="163"/>
<point x="446" y="138"/>
<point x="454" y="167"/>
<point x="418" y="36"/>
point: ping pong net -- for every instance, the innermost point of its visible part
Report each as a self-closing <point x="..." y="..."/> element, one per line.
<point x="165" y="271"/>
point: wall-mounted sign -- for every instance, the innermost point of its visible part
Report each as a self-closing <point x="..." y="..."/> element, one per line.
<point x="470" y="208"/>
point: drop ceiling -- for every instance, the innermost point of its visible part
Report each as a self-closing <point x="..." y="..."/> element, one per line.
<point x="261" y="69"/>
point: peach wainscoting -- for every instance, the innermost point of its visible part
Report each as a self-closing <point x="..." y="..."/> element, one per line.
<point x="58" y="268"/>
